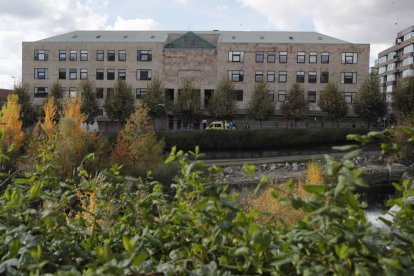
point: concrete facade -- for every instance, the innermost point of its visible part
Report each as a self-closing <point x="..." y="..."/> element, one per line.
<point x="205" y="57"/>
<point x="395" y="63"/>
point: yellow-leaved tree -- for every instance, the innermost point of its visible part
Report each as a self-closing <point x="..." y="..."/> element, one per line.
<point x="138" y="147"/>
<point x="72" y="109"/>
<point x="49" y="123"/>
<point x="10" y="123"/>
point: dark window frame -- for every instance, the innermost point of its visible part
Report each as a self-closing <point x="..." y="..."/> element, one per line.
<point x="100" y="74"/>
<point x="271" y="57"/>
<point x="236" y="75"/>
<point x="100" y="55"/>
<point x="258" y="76"/>
<point x="312" y="77"/>
<point x="62" y="55"/>
<point x="300" y="77"/>
<point x="83" y="55"/>
<point x="121" y="55"/>
<point x="259" y="57"/>
<point x="110" y="55"/>
<point x="144" y="55"/>
<point x="325" y="58"/>
<point x="282" y="76"/>
<point x="110" y="74"/>
<point x="312" y="96"/>
<point x="283" y="57"/>
<point x="301" y="57"/>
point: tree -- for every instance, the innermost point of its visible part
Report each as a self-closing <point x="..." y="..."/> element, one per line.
<point x="260" y="108"/>
<point x="120" y="105"/>
<point x="138" y="147"/>
<point x="72" y="109"/>
<point x="187" y="107"/>
<point x="55" y="93"/>
<point x="28" y="114"/>
<point x="296" y="106"/>
<point x="49" y="123"/>
<point x="370" y="103"/>
<point x="89" y="106"/>
<point x="154" y="98"/>
<point x="10" y="123"/>
<point x="332" y="102"/>
<point x="222" y="104"/>
<point x="404" y="98"/>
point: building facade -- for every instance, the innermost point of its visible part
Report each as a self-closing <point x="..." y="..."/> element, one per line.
<point x="279" y="58"/>
<point x="395" y="63"/>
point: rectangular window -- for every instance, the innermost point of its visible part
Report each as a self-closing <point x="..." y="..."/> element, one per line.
<point x="300" y="77"/>
<point x="258" y="76"/>
<point x="349" y="97"/>
<point x="111" y="55"/>
<point x="238" y="95"/>
<point x="99" y="74"/>
<point x="312" y="77"/>
<point x="313" y="57"/>
<point x="301" y="57"/>
<point x="271" y="76"/>
<point x="62" y="55"/>
<point x="72" y="92"/>
<point x="110" y="74"/>
<point x="271" y="57"/>
<point x="73" y="55"/>
<point x="121" y="74"/>
<point x="62" y="92"/>
<point x="325" y="58"/>
<point x="100" y="55"/>
<point x="236" y="75"/>
<point x="281" y="96"/>
<point x="324" y="77"/>
<point x="62" y="73"/>
<point x="349" y="58"/>
<point x="208" y="94"/>
<point x="140" y="92"/>
<point x="144" y="74"/>
<point x="121" y="55"/>
<point x="259" y="57"/>
<point x="83" y="74"/>
<point x="283" y="57"/>
<point x="282" y="76"/>
<point x="41" y="55"/>
<point x="84" y="55"/>
<point x="73" y="73"/>
<point x="236" y="56"/>
<point x="312" y="96"/>
<point x="144" y="55"/>
<point x="99" y="92"/>
<point x="169" y="94"/>
<point x="99" y="112"/>
<point x="271" y="95"/>
<point x="40" y="73"/>
<point x="349" y="77"/>
<point x="40" y="92"/>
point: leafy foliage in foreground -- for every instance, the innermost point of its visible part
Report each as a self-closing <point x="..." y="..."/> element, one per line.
<point x="112" y="224"/>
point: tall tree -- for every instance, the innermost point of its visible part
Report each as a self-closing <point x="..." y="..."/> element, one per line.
<point x="120" y="105"/>
<point x="56" y="95"/>
<point x="187" y="107"/>
<point x="154" y="98"/>
<point x="296" y="106"/>
<point x="89" y="106"/>
<point x="404" y="98"/>
<point x="10" y="123"/>
<point x="333" y="103"/>
<point x="28" y="114"/>
<point x="370" y="103"/>
<point x="260" y="108"/>
<point x="49" y="123"/>
<point x="222" y="103"/>
<point x="72" y="109"/>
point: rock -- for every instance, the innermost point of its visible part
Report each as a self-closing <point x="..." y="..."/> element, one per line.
<point x="263" y="167"/>
<point x="228" y="171"/>
<point x="273" y="167"/>
<point x="280" y="165"/>
<point x="295" y="167"/>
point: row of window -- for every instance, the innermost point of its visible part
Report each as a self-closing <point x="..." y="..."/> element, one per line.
<point x="72" y="55"/>
<point x="281" y="95"/>
<point x="72" y="74"/>
<point x="234" y="56"/>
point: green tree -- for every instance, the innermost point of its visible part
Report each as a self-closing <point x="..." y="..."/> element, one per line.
<point x="404" y="98"/>
<point x="28" y="114"/>
<point x="120" y="105"/>
<point x="260" y="108"/>
<point x="222" y="104"/>
<point x="296" y="106"/>
<point x="89" y="106"/>
<point x="332" y="102"/>
<point x="56" y="94"/>
<point x="370" y="103"/>
<point x="187" y="107"/>
<point x="154" y="98"/>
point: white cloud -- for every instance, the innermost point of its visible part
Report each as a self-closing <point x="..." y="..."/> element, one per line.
<point x="366" y="21"/>
<point x="134" y="24"/>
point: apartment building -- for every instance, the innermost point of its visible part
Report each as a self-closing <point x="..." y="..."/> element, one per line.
<point x="245" y="57"/>
<point x="395" y="63"/>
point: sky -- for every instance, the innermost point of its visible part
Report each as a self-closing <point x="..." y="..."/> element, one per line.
<point x="375" y="22"/>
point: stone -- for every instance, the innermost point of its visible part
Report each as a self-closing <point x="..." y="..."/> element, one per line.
<point x="273" y="167"/>
<point x="228" y="171"/>
<point x="295" y="167"/>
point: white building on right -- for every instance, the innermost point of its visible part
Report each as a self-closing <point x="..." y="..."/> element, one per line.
<point x="396" y="62"/>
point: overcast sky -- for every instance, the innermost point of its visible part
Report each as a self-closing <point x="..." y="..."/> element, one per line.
<point x="363" y="21"/>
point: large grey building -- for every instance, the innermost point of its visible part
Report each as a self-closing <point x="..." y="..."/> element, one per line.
<point x="245" y="57"/>
<point x="396" y="62"/>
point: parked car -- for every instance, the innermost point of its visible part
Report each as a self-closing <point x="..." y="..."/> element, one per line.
<point x="221" y="125"/>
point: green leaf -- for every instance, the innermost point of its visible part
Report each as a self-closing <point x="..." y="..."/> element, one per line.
<point x="345" y="147"/>
<point x="315" y="189"/>
<point x="353" y="154"/>
<point x="242" y="251"/>
<point x="249" y="170"/>
<point x="140" y="258"/>
<point x="352" y="200"/>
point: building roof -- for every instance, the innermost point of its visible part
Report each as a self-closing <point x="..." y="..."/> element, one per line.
<point x="223" y="37"/>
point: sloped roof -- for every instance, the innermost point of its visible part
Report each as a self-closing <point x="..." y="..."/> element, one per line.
<point x="190" y="40"/>
<point x="224" y="37"/>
